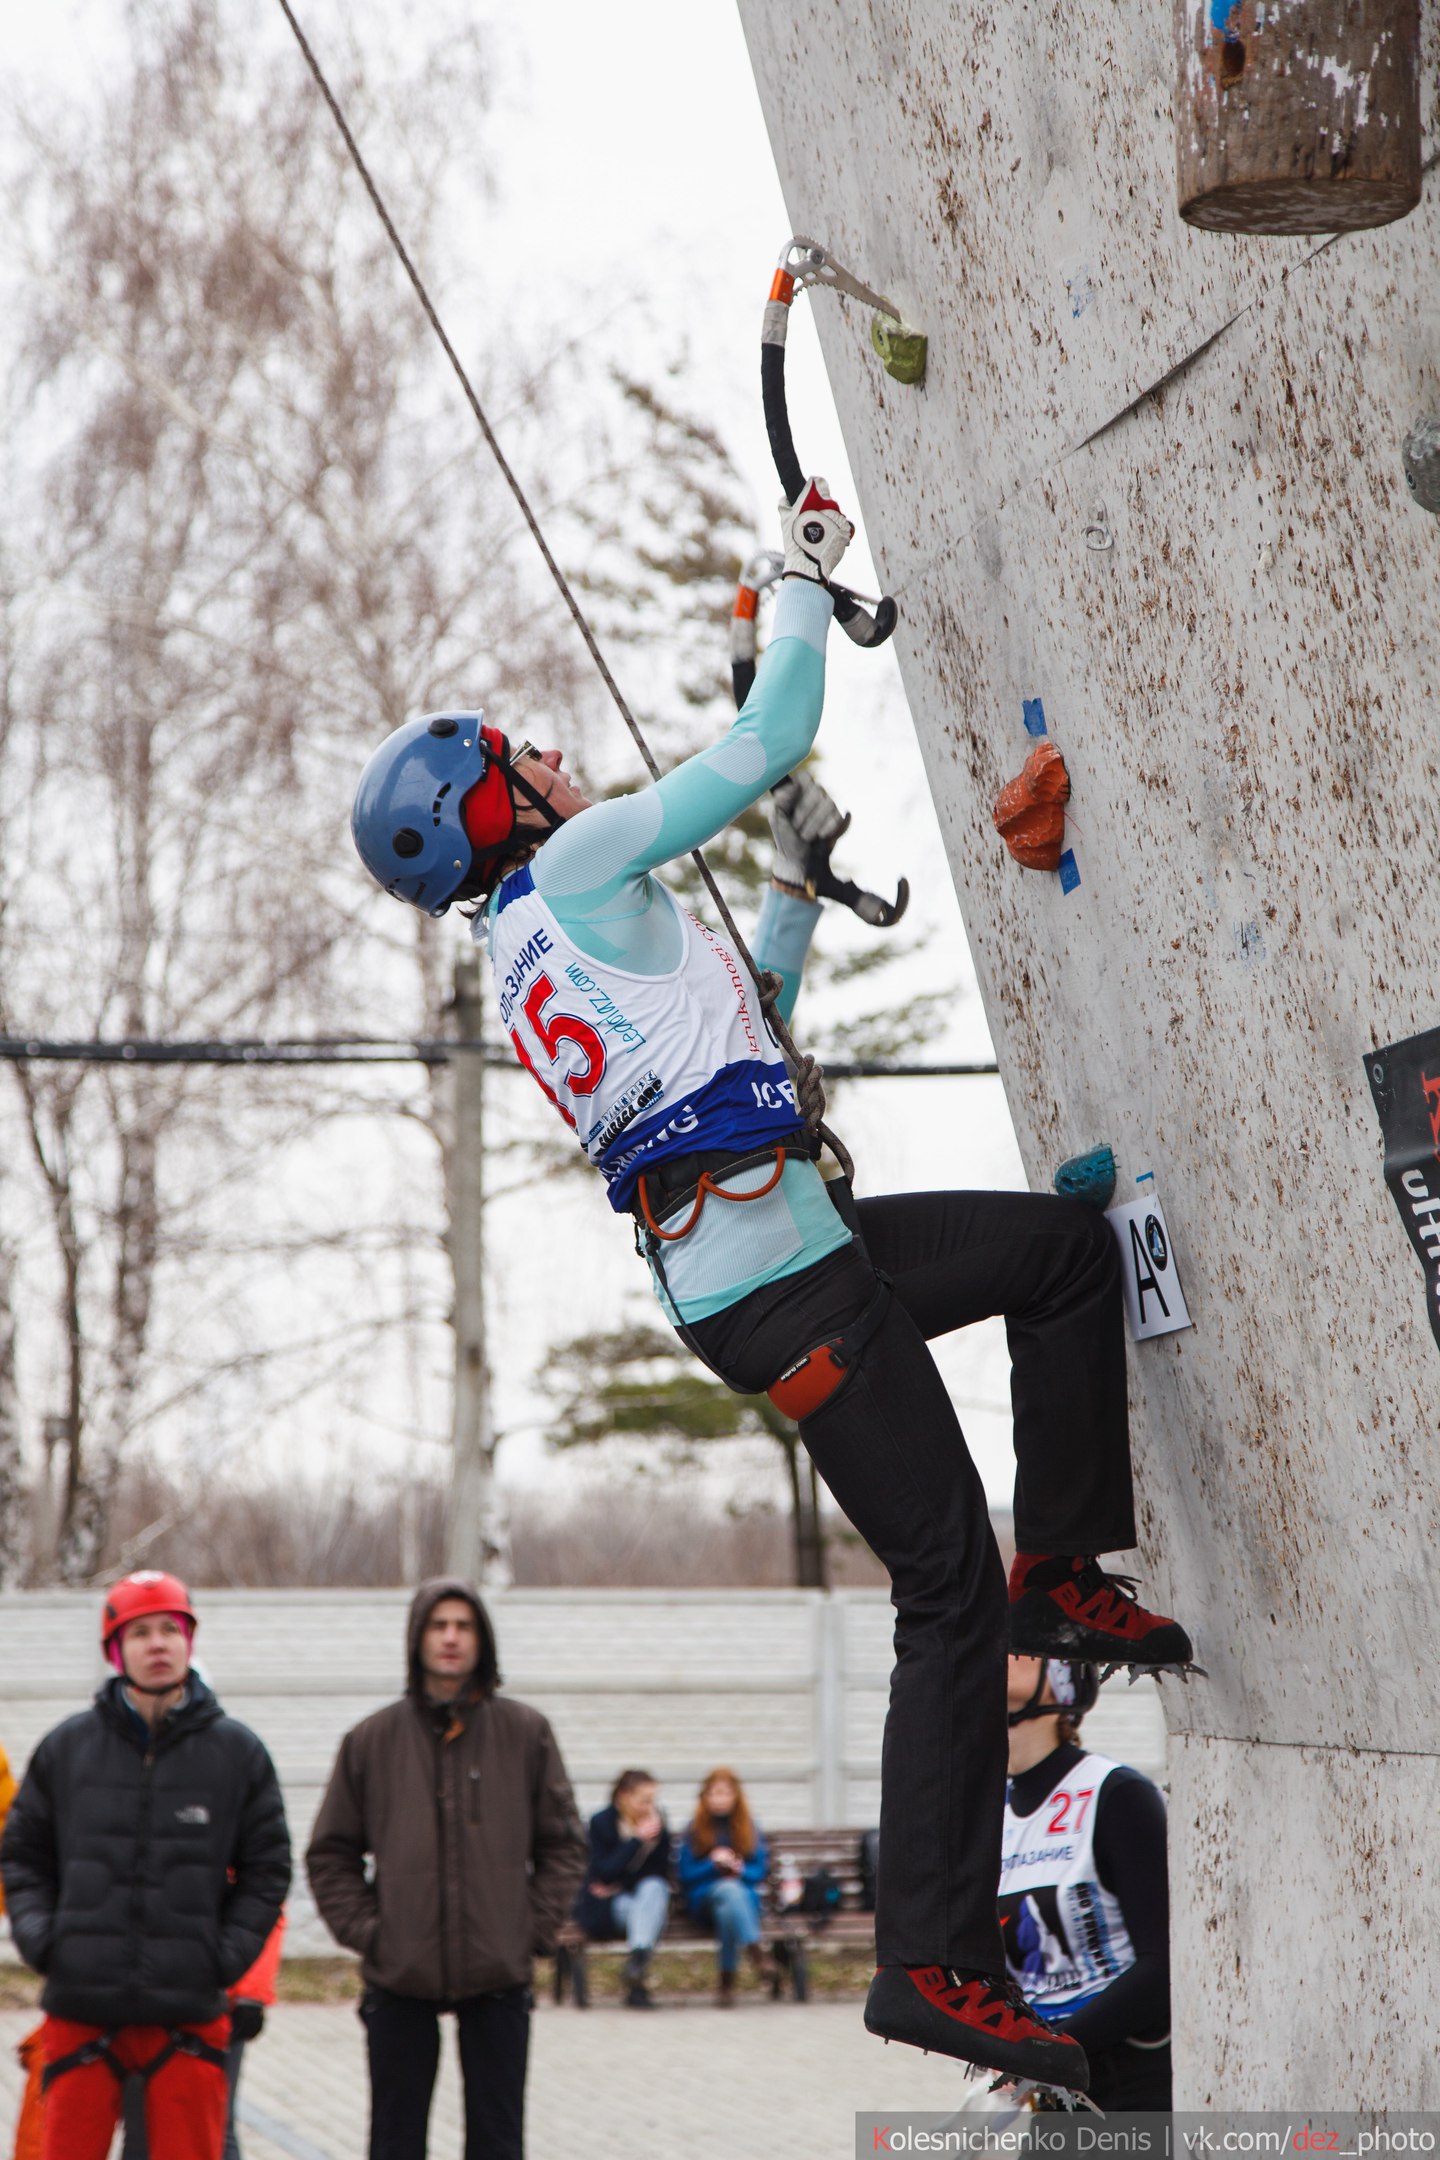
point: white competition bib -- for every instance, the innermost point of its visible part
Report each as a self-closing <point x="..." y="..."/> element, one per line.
<point x="1065" y="1936"/>
<point x="641" y="1066"/>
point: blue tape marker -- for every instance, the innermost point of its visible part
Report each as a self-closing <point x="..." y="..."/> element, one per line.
<point x="1146" y="1177"/>
<point x="1069" y="871"/>
<point x="1034" y="716"/>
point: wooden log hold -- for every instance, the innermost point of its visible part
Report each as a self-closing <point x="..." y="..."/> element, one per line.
<point x="1297" y="116"/>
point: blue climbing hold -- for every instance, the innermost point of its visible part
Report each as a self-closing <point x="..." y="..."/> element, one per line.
<point x="1088" y="1177"/>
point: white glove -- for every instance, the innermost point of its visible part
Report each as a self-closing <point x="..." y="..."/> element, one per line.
<point x="805" y="823"/>
<point x="815" y="532"/>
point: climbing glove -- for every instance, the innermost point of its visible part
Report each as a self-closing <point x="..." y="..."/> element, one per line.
<point x="815" y="531"/>
<point x="805" y="823"/>
<point x="247" y="2018"/>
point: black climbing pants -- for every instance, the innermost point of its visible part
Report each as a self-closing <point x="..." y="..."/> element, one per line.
<point x="890" y="1449"/>
<point x="402" y="2034"/>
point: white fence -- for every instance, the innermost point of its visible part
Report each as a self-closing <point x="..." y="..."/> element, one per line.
<point x="786" y="1686"/>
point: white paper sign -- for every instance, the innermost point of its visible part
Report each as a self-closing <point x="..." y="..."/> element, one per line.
<point x="1154" y="1301"/>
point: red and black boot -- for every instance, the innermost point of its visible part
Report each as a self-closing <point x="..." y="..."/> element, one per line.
<point x="1062" y="1606"/>
<point x="981" y="2018"/>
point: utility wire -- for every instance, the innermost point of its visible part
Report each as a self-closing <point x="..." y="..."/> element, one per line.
<point x="781" y="1031"/>
<point x="374" y="1050"/>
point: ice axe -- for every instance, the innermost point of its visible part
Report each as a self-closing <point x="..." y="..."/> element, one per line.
<point x="762" y="571"/>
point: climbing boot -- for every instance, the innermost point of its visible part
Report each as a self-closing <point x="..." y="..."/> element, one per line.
<point x="980" y="2018"/>
<point x="1062" y="1606"/>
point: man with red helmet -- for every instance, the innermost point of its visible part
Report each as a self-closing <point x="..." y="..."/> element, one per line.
<point x="144" y="1863"/>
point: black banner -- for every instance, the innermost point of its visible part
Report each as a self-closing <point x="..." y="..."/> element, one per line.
<point x="1405" y="1081"/>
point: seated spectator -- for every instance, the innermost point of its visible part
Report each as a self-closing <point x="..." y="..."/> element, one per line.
<point x="627" y="1879"/>
<point x="722" y="1862"/>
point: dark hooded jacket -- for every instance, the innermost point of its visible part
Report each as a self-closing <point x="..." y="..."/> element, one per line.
<point x="467" y="1813"/>
<point x="144" y="1871"/>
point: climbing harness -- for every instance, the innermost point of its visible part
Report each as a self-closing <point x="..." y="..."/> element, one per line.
<point x="807" y="1384"/>
<point x="704" y="1186"/>
<point x="767" y="995"/>
<point x="762" y="571"/>
<point x="96" y="2050"/>
<point x="177" y="2042"/>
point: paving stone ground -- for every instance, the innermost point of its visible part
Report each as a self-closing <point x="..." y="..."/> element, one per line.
<point x="776" y="2081"/>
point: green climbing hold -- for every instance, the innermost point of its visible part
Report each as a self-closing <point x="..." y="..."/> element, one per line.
<point x="902" y="351"/>
<point x="1089" y="1177"/>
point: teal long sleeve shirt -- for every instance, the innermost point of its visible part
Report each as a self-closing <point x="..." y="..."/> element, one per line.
<point x="596" y="875"/>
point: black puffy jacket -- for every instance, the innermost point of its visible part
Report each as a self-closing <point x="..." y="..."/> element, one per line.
<point x="144" y="1872"/>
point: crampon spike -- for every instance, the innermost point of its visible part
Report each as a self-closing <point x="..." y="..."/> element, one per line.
<point x="1152" y="1672"/>
<point x="1068" y="2098"/>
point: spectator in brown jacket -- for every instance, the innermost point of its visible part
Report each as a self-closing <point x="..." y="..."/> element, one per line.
<point x="460" y="1799"/>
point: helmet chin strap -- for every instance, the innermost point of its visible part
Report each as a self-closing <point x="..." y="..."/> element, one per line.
<point x="1034" y="1708"/>
<point x="484" y="862"/>
<point x="533" y="796"/>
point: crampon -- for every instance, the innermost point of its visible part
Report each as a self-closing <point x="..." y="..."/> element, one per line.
<point x="1063" y="1606"/>
<point x="1151" y="1672"/>
<point x="1043" y="2096"/>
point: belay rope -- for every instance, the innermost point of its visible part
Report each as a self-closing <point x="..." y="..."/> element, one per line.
<point x="815" y="266"/>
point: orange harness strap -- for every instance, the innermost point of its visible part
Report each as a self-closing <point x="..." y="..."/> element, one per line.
<point x="810" y="1381"/>
<point x="704" y="1186"/>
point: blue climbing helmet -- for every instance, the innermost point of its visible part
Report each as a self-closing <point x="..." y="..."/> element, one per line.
<point x="435" y="809"/>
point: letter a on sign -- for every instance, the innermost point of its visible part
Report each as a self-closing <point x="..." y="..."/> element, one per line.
<point x="1154" y="1301"/>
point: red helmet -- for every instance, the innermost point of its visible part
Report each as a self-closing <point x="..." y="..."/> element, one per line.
<point x="149" y="1591"/>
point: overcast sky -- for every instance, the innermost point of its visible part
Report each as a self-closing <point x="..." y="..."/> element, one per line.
<point x="635" y="176"/>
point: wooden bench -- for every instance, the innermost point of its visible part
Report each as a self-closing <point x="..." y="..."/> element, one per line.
<point x="793" y="1936"/>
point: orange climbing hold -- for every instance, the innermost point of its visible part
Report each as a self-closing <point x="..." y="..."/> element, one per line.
<point x="1030" y="810"/>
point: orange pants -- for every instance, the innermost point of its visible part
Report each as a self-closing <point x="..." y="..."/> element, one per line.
<point x="29" y="2128"/>
<point x="185" y="2099"/>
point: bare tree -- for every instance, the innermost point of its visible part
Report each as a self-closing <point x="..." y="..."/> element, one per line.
<point x="12" y="1479"/>
<point x="249" y="539"/>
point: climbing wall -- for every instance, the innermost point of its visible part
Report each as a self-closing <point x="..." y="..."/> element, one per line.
<point x="1154" y="482"/>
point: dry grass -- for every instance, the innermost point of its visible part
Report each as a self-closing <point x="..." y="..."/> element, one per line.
<point x="624" y="1533"/>
<point x="841" y="1975"/>
<point x="19" y="1989"/>
<point x="834" y="1975"/>
<point x="618" y="1532"/>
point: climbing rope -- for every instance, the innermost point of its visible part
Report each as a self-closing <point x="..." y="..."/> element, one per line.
<point x="767" y="989"/>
